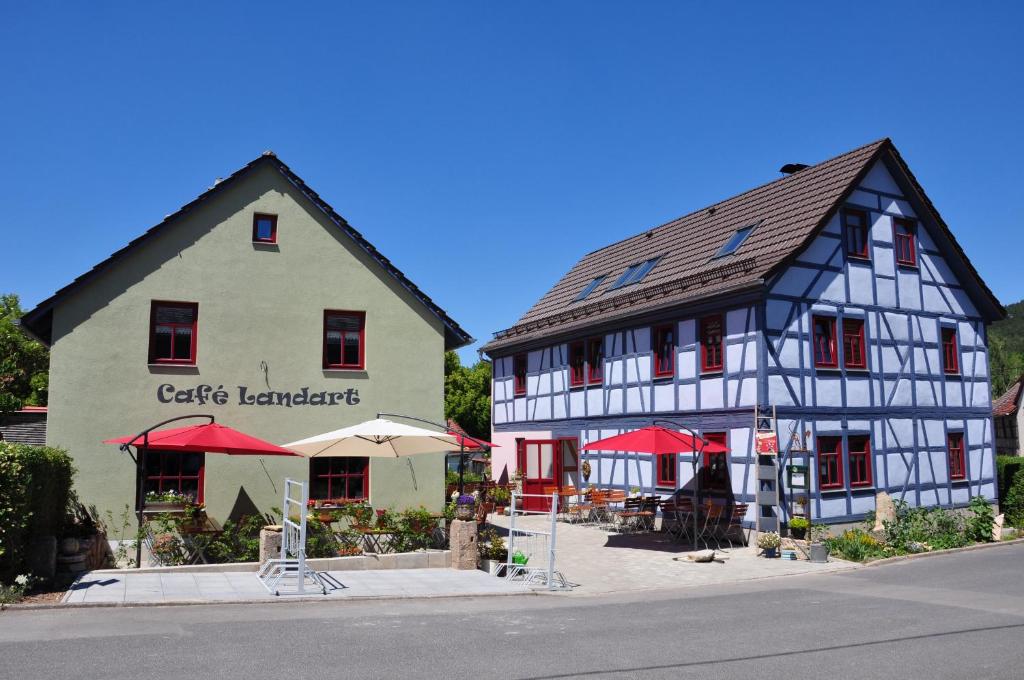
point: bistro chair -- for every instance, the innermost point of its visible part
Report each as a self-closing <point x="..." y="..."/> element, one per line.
<point x="713" y="518"/>
<point x="735" y="524"/>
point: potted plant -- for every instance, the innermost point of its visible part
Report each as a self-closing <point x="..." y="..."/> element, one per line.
<point x="818" y="551"/>
<point x="165" y="501"/>
<point x="501" y="497"/>
<point x="465" y="507"/>
<point x="493" y="553"/>
<point x="769" y="542"/>
<point x="362" y="515"/>
<point x="798" y="527"/>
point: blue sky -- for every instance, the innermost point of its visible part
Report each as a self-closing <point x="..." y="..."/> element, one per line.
<point x="516" y="136"/>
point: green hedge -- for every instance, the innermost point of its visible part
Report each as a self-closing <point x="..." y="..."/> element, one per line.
<point x="35" y="491"/>
<point x="1011" y="489"/>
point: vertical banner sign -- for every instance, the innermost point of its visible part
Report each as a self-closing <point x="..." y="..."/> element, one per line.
<point x="766" y="443"/>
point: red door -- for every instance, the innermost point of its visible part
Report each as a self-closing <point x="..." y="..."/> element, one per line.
<point x="539" y="467"/>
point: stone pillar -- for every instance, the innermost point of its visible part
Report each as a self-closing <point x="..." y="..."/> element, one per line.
<point x="885" y="510"/>
<point x="271" y="537"/>
<point x="462" y="541"/>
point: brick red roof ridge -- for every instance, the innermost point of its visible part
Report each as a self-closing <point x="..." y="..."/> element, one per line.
<point x="1009" y="401"/>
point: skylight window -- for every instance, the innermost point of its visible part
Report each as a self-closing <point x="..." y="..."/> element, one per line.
<point x="735" y="241"/>
<point x="589" y="288"/>
<point x="635" y="273"/>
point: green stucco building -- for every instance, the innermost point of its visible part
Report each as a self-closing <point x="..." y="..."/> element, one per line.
<point x="259" y="304"/>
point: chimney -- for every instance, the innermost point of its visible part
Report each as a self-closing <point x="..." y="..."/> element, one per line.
<point x="792" y="168"/>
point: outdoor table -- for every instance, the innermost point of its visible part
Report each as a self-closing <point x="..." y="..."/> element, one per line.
<point x="196" y="539"/>
<point x="379" y="541"/>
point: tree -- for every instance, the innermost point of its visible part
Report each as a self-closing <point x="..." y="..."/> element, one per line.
<point x="467" y="395"/>
<point x="1005" y="366"/>
<point x="24" y="363"/>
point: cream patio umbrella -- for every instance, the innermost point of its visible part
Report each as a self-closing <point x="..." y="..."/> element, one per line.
<point x="380" y="438"/>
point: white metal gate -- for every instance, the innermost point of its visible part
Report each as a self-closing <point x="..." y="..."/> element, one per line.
<point x="534" y="549"/>
<point x="290" y="569"/>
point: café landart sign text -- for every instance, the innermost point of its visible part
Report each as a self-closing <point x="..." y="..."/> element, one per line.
<point x="206" y="394"/>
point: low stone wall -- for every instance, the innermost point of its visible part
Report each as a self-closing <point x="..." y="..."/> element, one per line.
<point x="422" y="559"/>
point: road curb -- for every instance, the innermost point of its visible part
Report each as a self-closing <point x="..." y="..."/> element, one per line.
<point x="276" y="600"/>
<point x="936" y="553"/>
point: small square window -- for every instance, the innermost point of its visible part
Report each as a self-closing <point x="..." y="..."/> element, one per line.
<point x="173" y="332"/>
<point x="345" y="340"/>
<point x="264" y="228"/>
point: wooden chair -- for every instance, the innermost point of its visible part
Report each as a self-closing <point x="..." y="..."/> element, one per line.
<point x="635" y="516"/>
<point x="714" y="515"/>
<point x="735" y="523"/>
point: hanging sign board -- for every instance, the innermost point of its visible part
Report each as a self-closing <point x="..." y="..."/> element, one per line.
<point x="797" y="476"/>
<point x="766" y="444"/>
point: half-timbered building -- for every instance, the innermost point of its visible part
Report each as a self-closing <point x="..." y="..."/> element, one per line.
<point x="835" y="294"/>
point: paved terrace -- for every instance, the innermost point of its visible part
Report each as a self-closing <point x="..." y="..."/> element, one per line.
<point x="600" y="562"/>
<point x="169" y="587"/>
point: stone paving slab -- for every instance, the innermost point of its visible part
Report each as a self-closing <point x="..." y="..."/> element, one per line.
<point x="127" y="587"/>
<point x="602" y="562"/>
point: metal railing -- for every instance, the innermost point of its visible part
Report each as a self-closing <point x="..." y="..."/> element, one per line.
<point x="533" y="544"/>
<point x="292" y="563"/>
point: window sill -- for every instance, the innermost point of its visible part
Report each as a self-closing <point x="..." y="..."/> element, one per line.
<point x="860" y="259"/>
<point x="596" y="383"/>
<point x="832" y="492"/>
<point x="664" y="378"/>
<point x="827" y="369"/>
<point x="712" y="373"/>
<point x="867" y="488"/>
<point x="957" y="482"/>
<point x="907" y="265"/>
<point x="174" y="369"/>
<point x="858" y="370"/>
<point x="953" y="376"/>
<point x="266" y="245"/>
<point x="345" y="373"/>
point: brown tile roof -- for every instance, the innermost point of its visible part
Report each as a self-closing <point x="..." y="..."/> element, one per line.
<point x="788" y="213"/>
<point x="1008" y="403"/>
<point x="39" y="320"/>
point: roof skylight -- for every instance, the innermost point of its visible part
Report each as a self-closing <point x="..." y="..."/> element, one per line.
<point x="635" y="273"/>
<point x="735" y="241"/>
<point x="589" y="288"/>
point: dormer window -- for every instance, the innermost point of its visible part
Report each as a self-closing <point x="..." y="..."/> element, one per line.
<point x="264" y="228"/>
<point x="635" y="273"/>
<point x="735" y="241"/>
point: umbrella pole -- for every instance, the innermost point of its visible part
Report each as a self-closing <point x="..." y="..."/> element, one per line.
<point x="696" y="498"/>
<point x="462" y="462"/>
<point x="140" y="473"/>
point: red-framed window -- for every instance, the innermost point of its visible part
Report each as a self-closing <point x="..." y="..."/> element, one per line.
<point x="824" y="331"/>
<point x="955" y="455"/>
<point x="595" y="361"/>
<point x="904" y="235"/>
<point x="716" y="465"/>
<point x="664" y="351"/>
<point x="182" y="473"/>
<point x="854" y="355"/>
<point x="173" y="333"/>
<point x="264" y="228"/>
<point x="668" y="467"/>
<point x="860" y="460"/>
<point x="519" y="373"/>
<point x="711" y="354"/>
<point x="855" y="232"/>
<point x="950" y="352"/>
<point x="577" y="363"/>
<point x="344" y="340"/>
<point x="339" y="477"/>
<point x="830" y="463"/>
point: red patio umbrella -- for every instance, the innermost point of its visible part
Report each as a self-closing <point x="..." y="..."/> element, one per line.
<point x="469" y="443"/>
<point x="209" y="437"/>
<point x="661" y="441"/>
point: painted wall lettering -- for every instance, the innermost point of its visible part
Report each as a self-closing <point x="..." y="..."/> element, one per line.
<point x="206" y="394"/>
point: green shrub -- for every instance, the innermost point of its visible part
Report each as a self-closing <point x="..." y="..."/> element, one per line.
<point x="35" y="495"/>
<point x="1011" y="489"/>
<point x="856" y="545"/>
<point x="978" y="525"/>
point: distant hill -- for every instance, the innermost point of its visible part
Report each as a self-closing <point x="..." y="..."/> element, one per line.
<point x="1011" y="329"/>
<point x="1006" y="348"/>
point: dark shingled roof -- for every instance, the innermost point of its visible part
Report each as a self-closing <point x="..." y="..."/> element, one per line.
<point x="788" y="214"/>
<point x="39" y="321"/>
<point x="1008" y="403"/>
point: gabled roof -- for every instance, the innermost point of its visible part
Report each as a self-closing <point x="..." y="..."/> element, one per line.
<point x="39" y="321"/>
<point x="786" y="215"/>
<point x="1008" y="403"/>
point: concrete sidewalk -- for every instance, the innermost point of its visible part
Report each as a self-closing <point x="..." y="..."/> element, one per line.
<point x="131" y="588"/>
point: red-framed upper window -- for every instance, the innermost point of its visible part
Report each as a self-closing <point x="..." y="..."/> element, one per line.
<point x="182" y="473"/>
<point x="854" y="355"/>
<point x="824" y="332"/>
<point x="577" y="363"/>
<point x="339" y="477"/>
<point x="955" y="455"/>
<point x="711" y="343"/>
<point x="665" y="351"/>
<point x="519" y="373"/>
<point x="716" y="465"/>
<point x="830" y="462"/>
<point x="595" y="361"/>
<point x="264" y="228"/>
<point x="950" y="352"/>
<point x="173" y="332"/>
<point x="344" y="340"/>
<point x="904" y="235"/>
<point x="855" y="232"/>
<point x="860" y="460"/>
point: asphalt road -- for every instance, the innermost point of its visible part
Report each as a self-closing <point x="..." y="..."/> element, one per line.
<point x="956" y="616"/>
